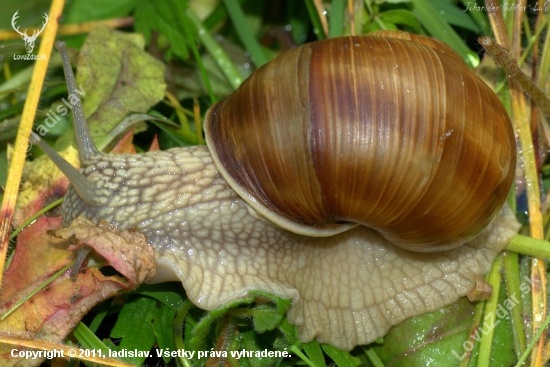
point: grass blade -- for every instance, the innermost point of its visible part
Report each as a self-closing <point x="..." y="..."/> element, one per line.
<point x="438" y="28"/>
<point x="247" y="38"/>
<point x="336" y="20"/>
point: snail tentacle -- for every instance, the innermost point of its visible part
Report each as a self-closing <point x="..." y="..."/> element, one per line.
<point x="86" y="146"/>
<point x="85" y="189"/>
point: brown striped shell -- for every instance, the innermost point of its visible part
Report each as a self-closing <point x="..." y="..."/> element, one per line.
<point x="390" y="130"/>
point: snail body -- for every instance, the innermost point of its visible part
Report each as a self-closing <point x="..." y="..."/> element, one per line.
<point x="215" y="230"/>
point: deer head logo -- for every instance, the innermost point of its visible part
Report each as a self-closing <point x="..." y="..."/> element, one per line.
<point x="29" y="40"/>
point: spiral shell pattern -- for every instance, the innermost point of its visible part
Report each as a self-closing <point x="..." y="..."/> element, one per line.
<point x="391" y="130"/>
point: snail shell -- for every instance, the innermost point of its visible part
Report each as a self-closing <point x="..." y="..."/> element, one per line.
<point x="390" y="130"/>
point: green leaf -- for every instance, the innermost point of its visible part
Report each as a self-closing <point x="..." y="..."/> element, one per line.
<point x="266" y="317"/>
<point x="478" y="15"/>
<point x="164" y="330"/>
<point x="241" y="26"/>
<point x="160" y="16"/>
<point x="455" y="16"/>
<point x="250" y="343"/>
<point x="167" y="293"/>
<point x="298" y="20"/>
<point x="202" y="328"/>
<point x="439" y="28"/>
<point x="290" y="333"/>
<point x="283" y="305"/>
<point x="511" y="280"/>
<point x="401" y="16"/>
<point x="216" y="53"/>
<point x="215" y="18"/>
<point x="102" y="310"/>
<point x="342" y="358"/>
<point x="337" y="18"/>
<point x="117" y="77"/>
<point x="502" y="352"/>
<point x="315" y="21"/>
<point x="135" y="326"/>
<point x="392" y="1"/>
<point x="372" y="356"/>
<point x="314" y="352"/>
<point x="88" y="339"/>
<point x="79" y="11"/>
<point x="433" y="336"/>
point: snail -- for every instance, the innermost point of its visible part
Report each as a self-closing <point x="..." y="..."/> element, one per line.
<point x="429" y="155"/>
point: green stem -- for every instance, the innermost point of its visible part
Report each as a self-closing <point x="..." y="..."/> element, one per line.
<point x="486" y="343"/>
<point x="439" y="28"/>
<point x="315" y="21"/>
<point x="178" y="331"/>
<point x="511" y="274"/>
<point x="191" y="42"/>
<point x="88" y="339"/>
<point x="294" y="349"/>
<point x="336" y="20"/>
<point x="373" y="357"/>
<point x="529" y="246"/>
<point x="533" y="342"/>
<point x="241" y="26"/>
<point x="219" y="55"/>
<point x="532" y="41"/>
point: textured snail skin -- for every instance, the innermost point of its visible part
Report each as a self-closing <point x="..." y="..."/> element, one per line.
<point x="392" y="131"/>
<point x="346" y="290"/>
